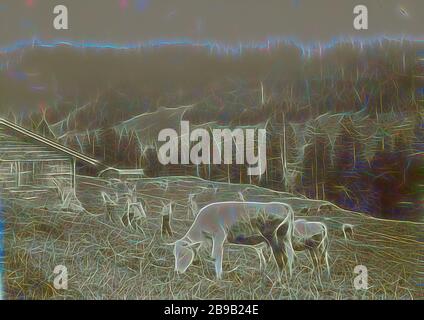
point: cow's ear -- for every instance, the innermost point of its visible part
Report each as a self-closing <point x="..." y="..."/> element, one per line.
<point x="184" y="256"/>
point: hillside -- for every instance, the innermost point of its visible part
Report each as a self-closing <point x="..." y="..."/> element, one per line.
<point x="106" y="260"/>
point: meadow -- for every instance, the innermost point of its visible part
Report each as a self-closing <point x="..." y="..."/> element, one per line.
<point x="106" y="260"/>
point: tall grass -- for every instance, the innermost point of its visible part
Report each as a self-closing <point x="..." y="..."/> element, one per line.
<point x="108" y="261"/>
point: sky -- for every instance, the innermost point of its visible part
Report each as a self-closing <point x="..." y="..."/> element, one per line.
<point x="227" y="21"/>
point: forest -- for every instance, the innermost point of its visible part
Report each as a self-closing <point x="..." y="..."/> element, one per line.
<point x="343" y="125"/>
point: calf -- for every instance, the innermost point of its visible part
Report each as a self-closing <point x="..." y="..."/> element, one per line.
<point x="312" y="236"/>
<point x="124" y="205"/>
<point x="198" y="199"/>
<point x="347" y="230"/>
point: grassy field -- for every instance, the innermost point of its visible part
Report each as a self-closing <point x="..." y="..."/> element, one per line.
<point x="108" y="261"/>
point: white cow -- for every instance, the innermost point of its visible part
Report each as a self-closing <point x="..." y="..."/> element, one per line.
<point x="347" y="230"/>
<point x="196" y="200"/>
<point x="242" y="223"/>
<point x="124" y="205"/>
<point x="312" y="236"/>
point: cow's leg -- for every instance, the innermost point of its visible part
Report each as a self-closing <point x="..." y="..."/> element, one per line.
<point x="323" y="250"/>
<point x="278" y="255"/>
<point x="320" y="260"/>
<point x="217" y="251"/>
<point x="166" y="225"/>
<point x="327" y="264"/>
<point x="189" y="209"/>
<point x="290" y="255"/>
<point x="262" y="261"/>
<point x="192" y="209"/>
<point x="317" y="257"/>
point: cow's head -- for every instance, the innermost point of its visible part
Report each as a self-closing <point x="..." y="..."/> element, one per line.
<point x="184" y="255"/>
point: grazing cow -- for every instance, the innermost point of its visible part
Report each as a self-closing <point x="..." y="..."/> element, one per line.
<point x="199" y="199"/>
<point x="110" y="202"/>
<point x="124" y="205"/>
<point x="134" y="206"/>
<point x="312" y="236"/>
<point x="241" y="223"/>
<point x="347" y="230"/>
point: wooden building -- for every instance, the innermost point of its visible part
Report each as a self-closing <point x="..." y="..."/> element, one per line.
<point x="30" y="160"/>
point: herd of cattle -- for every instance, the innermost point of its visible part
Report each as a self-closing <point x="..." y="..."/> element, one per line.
<point x="258" y="225"/>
